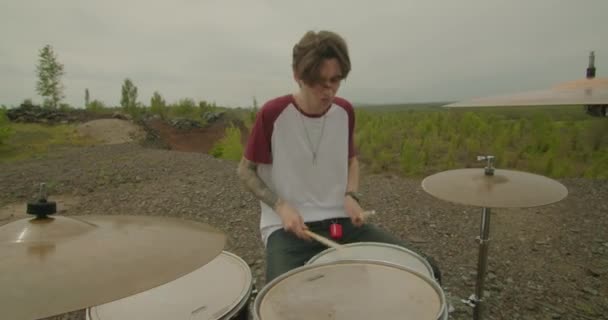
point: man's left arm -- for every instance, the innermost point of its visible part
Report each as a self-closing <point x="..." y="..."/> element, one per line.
<point x="353" y="175"/>
<point x="351" y="198"/>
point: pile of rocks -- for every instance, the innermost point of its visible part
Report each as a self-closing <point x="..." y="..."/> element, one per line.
<point x="28" y="112"/>
<point x="212" y="116"/>
<point x="185" y="124"/>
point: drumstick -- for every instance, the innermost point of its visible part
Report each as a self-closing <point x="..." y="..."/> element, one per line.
<point x="323" y="240"/>
<point x="333" y="244"/>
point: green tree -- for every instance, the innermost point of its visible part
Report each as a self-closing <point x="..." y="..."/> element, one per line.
<point x="158" y="105"/>
<point x="96" y="106"/>
<point x="87" y="98"/>
<point x="27" y="102"/>
<point x="205" y="106"/>
<point x="186" y="108"/>
<point x="49" y="72"/>
<point x="253" y="113"/>
<point x="255" y="107"/>
<point x="128" y="101"/>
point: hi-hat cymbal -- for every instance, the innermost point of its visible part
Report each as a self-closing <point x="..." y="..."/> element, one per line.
<point x="504" y="189"/>
<point x="62" y="264"/>
<point x="593" y="91"/>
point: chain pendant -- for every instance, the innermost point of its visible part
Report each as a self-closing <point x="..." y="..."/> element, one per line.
<point x="313" y="150"/>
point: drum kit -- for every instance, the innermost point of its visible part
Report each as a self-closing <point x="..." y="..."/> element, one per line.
<point x="143" y="267"/>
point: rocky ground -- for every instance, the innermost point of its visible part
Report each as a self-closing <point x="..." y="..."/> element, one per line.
<point x="549" y="262"/>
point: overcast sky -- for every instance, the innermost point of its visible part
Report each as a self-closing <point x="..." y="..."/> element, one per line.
<point x="228" y="51"/>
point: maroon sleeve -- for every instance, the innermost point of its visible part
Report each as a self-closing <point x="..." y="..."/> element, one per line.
<point x="259" y="143"/>
<point x="352" y="150"/>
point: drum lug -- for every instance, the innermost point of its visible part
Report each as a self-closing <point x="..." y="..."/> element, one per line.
<point x="471" y="301"/>
<point x="481" y="241"/>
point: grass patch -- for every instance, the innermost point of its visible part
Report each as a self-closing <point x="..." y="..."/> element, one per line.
<point x="34" y="141"/>
<point x="229" y="147"/>
<point x="559" y="142"/>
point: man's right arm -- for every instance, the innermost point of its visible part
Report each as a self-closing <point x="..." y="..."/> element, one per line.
<point x="247" y="172"/>
<point x="292" y="221"/>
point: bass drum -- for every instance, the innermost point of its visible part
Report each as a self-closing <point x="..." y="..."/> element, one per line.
<point x="221" y="289"/>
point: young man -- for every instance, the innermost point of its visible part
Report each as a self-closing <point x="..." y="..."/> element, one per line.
<point x="300" y="160"/>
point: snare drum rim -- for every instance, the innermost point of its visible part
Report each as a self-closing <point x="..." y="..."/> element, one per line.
<point x="376" y="244"/>
<point x="233" y="310"/>
<point x="262" y="293"/>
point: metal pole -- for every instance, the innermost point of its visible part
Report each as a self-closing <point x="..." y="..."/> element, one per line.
<point x="482" y="263"/>
<point x="476" y="300"/>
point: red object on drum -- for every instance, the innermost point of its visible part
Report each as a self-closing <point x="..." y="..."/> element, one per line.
<point x="335" y="231"/>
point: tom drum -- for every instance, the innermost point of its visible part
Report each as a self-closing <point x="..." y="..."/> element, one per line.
<point x="221" y="289"/>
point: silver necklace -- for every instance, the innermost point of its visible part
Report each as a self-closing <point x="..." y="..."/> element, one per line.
<point x="313" y="150"/>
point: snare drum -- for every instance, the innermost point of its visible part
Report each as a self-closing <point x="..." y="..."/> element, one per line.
<point x="376" y="251"/>
<point x="221" y="289"/>
<point x="350" y="289"/>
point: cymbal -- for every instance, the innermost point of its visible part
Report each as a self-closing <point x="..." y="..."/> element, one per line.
<point x="504" y="189"/>
<point x="56" y="265"/>
<point x="590" y="91"/>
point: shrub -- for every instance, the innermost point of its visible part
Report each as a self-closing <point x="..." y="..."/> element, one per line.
<point x="5" y="129"/>
<point x="229" y="147"/>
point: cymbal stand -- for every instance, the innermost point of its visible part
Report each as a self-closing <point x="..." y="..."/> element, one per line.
<point x="476" y="300"/>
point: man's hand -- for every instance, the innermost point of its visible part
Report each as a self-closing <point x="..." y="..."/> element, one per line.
<point x="354" y="211"/>
<point x="292" y="220"/>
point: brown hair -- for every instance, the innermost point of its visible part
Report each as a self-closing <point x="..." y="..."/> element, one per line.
<point x="313" y="48"/>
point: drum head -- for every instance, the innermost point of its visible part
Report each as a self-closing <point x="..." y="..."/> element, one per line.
<point x="378" y="252"/>
<point x="350" y="290"/>
<point x="215" y="290"/>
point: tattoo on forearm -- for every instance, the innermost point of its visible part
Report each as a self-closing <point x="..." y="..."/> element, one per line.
<point x="249" y="176"/>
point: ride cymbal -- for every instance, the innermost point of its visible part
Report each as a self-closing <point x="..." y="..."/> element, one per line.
<point x="592" y="91"/>
<point x="503" y="189"/>
<point x="56" y="265"/>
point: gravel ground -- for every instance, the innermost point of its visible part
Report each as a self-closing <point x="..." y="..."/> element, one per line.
<point x="549" y="262"/>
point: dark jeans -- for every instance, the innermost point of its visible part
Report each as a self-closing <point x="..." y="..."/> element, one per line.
<point x="285" y="251"/>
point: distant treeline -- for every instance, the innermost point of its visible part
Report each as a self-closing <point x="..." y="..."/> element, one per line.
<point x="421" y="139"/>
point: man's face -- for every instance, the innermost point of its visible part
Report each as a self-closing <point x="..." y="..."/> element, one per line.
<point x="323" y="92"/>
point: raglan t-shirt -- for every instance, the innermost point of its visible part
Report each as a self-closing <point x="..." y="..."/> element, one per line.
<point x="302" y="158"/>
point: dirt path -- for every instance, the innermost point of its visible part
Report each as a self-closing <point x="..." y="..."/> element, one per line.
<point x="111" y="131"/>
